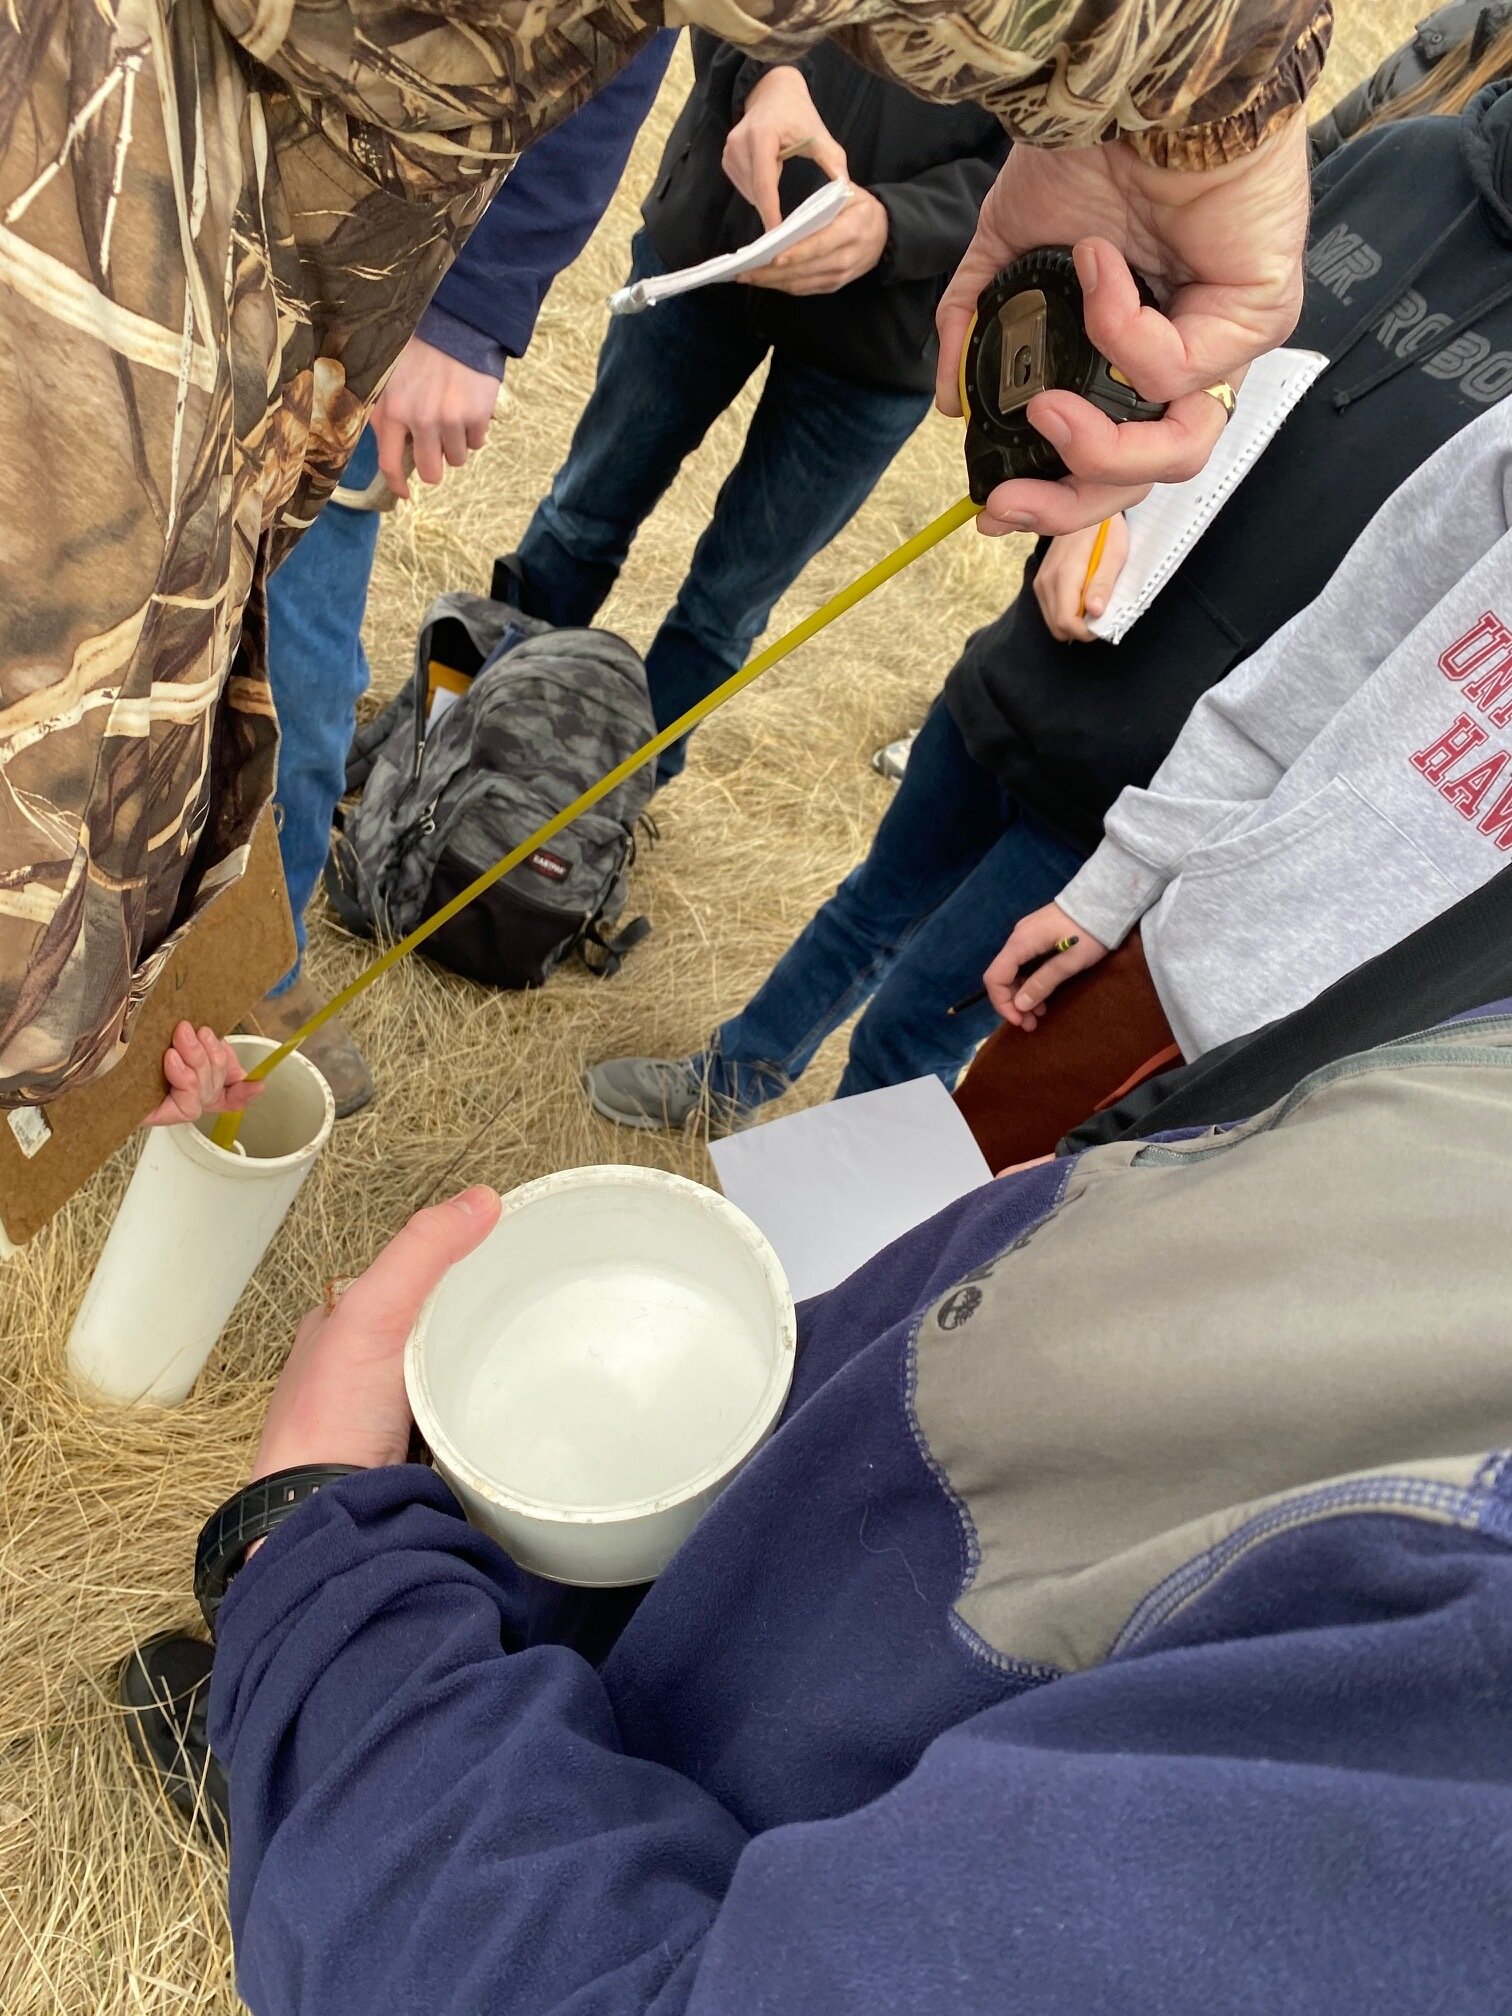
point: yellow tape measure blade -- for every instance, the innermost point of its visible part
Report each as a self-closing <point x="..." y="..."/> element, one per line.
<point x="225" y="1130"/>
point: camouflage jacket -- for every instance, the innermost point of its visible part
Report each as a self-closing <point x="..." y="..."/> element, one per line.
<point x="217" y="229"/>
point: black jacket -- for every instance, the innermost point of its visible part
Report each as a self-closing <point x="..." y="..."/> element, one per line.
<point x="1409" y="292"/>
<point x="1472" y="21"/>
<point x="929" y="165"/>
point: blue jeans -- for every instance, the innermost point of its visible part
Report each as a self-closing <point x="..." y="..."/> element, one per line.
<point x="813" y="453"/>
<point x="955" y="863"/>
<point x="319" y="671"/>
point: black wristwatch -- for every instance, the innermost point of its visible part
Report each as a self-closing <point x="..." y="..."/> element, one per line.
<point x="252" y="1515"/>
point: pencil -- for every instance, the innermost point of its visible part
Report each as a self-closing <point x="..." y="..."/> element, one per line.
<point x="1095" y="562"/>
<point x="1029" y="966"/>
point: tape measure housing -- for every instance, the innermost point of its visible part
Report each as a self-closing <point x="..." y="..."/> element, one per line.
<point x="1030" y="336"/>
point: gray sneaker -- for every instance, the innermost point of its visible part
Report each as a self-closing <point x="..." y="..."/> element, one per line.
<point x="892" y="760"/>
<point x="657" y="1092"/>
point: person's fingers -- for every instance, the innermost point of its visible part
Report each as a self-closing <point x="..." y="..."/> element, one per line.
<point x="821" y="249"/>
<point x="207" y="1069"/>
<point x="425" y="440"/>
<point x="383" y="1303"/>
<point x="1001" y="975"/>
<point x="1043" y="982"/>
<point x="1026" y="504"/>
<point x="803" y="279"/>
<point x="1059" y="580"/>
<point x="1104" y="450"/>
<point x="186" y="1044"/>
<point x="813" y="280"/>
<point x="1206" y="332"/>
<point x="1104" y="579"/>
<point x="237" y="1098"/>
<point x="182" y="1100"/>
<point x="454" y="442"/>
<point x="985" y="256"/>
<point x="392" y="436"/>
<point x="764" y="172"/>
<point x="189" y="1044"/>
<point x="178" y="1072"/>
<point x="1059" y="608"/>
<point x="220" y="1053"/>
<point x="477" y="429"/>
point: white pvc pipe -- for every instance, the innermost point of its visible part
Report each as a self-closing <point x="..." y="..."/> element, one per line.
<point x="192" y="1228"/>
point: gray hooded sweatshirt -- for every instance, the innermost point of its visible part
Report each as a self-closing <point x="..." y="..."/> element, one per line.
<point x="1345" y="784"/>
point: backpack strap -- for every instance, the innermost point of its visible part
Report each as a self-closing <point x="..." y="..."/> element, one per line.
<point x="613" y="949"/>
<point x="343" y="886"/>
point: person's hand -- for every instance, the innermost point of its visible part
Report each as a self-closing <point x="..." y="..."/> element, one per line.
<point x="444" y="408"/>
<point x="341" y="1397"/>
<point x="833" y="257"/>
<point x="1224" y="248"/>
<point x="204" y="1075"/>
<point x="1065" y="595"/>
<point x="780" y="118"/>
<point x="1040" y="932"/>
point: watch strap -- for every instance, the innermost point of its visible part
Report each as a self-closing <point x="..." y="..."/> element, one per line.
<point x="254" y="1513"/>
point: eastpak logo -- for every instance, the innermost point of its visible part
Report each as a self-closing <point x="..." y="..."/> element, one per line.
<point x="552" y="866"/>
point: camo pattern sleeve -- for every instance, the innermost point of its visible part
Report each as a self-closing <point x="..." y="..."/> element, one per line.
<point x="218" y="226"/>
<point x="1191" y="84"/>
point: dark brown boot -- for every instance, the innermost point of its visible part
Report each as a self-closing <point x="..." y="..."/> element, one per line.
<point x="331" y="1049"/>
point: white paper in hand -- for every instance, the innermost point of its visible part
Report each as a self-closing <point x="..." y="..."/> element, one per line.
<point x="832" y="1186"/>
<point x="822" y="208"/>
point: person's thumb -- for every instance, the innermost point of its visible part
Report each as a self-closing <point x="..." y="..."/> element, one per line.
<point x="387" y="1298"/>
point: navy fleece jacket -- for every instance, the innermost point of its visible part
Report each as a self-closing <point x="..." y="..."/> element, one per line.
<point x="787" y="1783"/>
<point x="548" y="208"/>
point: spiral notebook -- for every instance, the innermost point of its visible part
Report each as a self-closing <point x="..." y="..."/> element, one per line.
<point x="1165" y="527"/>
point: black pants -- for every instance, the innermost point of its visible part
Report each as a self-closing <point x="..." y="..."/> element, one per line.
<point x="1462" y="960"/>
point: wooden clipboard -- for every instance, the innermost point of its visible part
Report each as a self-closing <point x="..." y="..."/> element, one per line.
<point x="241" y="944"/>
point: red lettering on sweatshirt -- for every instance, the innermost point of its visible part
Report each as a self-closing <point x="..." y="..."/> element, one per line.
<point x="1487" y="638"/>
<point x="1487" y="687"/>
<point x="1497" y="824"/>
<point x="1467" y="792"/>
<point x="1456" y="741"/>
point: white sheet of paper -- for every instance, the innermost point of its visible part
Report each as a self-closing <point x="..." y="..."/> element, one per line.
<point x="834" y="1185"/>
<point x="822" y="208"/>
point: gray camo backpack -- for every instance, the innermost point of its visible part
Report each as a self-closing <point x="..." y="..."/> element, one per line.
<point x="451" y="780"/>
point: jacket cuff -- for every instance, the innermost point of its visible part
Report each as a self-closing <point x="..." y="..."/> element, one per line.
<point x="461" y="342"/>
<point x="1110" y="893"/>
<point x="1212" y="143"/>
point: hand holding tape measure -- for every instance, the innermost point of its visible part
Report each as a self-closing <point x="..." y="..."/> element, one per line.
<point x="1029" y="336"/>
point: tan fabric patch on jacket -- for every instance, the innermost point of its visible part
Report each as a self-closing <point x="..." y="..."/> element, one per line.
<point x="1200" y="1337"/>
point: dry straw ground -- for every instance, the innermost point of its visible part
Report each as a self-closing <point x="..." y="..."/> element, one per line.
<point x="105" y="1906"/>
